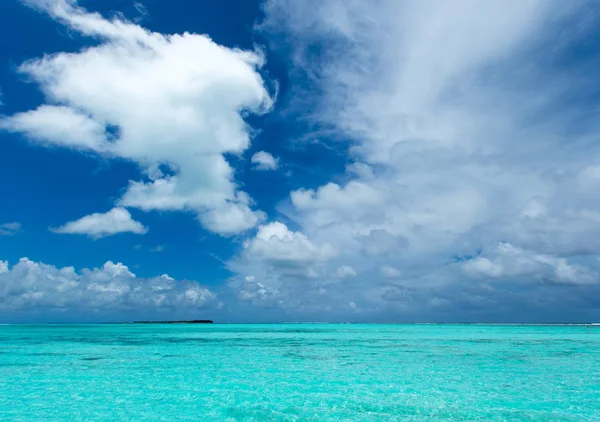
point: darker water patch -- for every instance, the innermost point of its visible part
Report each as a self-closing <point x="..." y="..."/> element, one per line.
<point x="92" y="358"/>
<point x="48" y="354"/>
<point x="515" y="357"/>
<point x="178" y="340"/>
<point x="16" y="365"/>
<point x="565" y="353"/>
<point x="479" y="341"/>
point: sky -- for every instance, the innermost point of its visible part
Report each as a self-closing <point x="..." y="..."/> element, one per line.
<point x="286" y="160"/>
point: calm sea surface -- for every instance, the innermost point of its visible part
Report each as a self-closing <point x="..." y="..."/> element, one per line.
<point x="299" y="373"/>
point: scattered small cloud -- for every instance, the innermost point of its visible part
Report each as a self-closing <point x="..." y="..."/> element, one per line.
<point x="158" y="248"/>
<point x="9" y="229"/>
<point x="265" y="161"/>
<point x="98" y="225"/>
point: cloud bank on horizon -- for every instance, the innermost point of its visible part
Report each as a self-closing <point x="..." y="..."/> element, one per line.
<point x="32" y="290"/>
<point x="470" y="138"/>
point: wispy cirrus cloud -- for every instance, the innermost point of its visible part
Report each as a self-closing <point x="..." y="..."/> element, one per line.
<point x="9" y="229"/>
<point x="142" y="10"/>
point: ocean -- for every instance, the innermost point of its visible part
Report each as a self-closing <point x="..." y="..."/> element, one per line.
<point x="299" y="372"/>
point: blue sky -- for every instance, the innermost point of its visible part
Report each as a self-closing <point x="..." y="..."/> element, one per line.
<point x="285" y="161"/>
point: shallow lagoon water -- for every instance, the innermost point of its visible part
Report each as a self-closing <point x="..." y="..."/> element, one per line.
<point x="303" y="372"/>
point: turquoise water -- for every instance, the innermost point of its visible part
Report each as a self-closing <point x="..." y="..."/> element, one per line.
<point x="299" y="373"/>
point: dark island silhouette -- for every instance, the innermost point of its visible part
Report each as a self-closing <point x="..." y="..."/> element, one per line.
<point x="191" y="321"/>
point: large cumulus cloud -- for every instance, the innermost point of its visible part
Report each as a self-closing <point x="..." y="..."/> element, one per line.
<point x="171" y="102"/>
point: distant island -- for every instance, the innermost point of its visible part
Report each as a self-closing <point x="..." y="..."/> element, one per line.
<point x="192" y="321"/>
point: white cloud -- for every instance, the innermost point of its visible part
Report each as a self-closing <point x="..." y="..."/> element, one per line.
<point x="97" y="225"/>
<point x="390" y="272"/>
<point x="276" y="244"/>
<point x="59" y="126"/>
<point x="345" y="271"/>
<point x="354" y="194"/>
<point x="233" y="219"/>
<point x="465" y="170"/>
<point x="390" y="69"/>
<point x="258" y="294"/>
<point x="265" y="161"/>
<point x="483" y="266"/>
<point x="9" y="229"/>
<point x="37" y="288"/>
<point x="460" y="139"/>
<point x="508" y="261"/>
<point x="278" y="261"/>
<point x="154" y="99"/>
